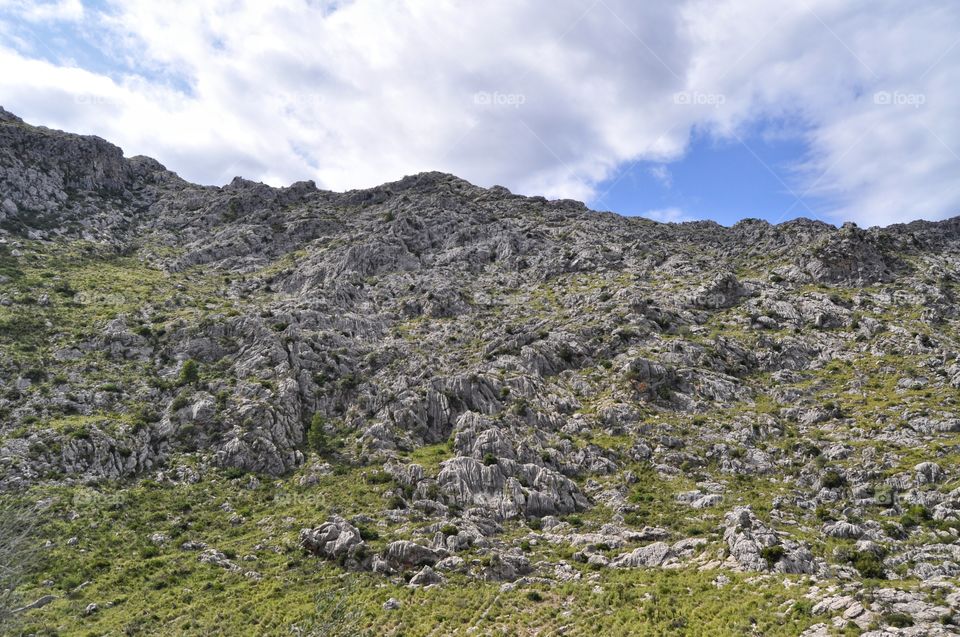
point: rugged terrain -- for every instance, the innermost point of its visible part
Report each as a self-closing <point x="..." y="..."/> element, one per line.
<point x="430" y="408"/>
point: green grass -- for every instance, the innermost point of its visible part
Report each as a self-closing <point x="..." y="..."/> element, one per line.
<point x="142" y="588"/>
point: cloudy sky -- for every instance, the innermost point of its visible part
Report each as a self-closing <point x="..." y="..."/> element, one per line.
<point x="687" y="109"/>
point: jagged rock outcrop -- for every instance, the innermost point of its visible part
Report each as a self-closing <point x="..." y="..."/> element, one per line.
<point x="754" y="546"/>
<point x="508" y="489"/>
<point x="335" y="540"/>
<point x="852" y="256"/>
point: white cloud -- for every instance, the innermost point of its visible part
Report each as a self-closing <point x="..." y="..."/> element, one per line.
<point x="34" y="11"/>
<point x="662" y="174"/>
<point x="668" y="215"/>
<point x="822" y="62"/>
<point x="544" y="97"/>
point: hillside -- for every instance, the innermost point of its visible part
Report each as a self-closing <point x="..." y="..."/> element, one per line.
<point x="430" y="408"/>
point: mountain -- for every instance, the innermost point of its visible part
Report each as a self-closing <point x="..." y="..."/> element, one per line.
<point x="434" y="408"/>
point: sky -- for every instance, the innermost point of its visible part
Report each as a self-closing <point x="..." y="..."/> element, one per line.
<point x="838" y="110"/>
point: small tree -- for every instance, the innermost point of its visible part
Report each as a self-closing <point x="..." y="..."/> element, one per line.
<point x="190" y="372"/>
<point x="317" y="438"/>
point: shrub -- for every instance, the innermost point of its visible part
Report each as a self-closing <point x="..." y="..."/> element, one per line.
<point x="149" y="551"/>
<point x="449" y="529"/>
<point x="869" y="565"/>
<point x="379" y="477"/>
<point x="35" y="375"/>
<point x="317" y="438"/>
<point x="803" y="608"/>
<point x="916" y="515"/>
<point x="367" y="534"/>
<point x="772" y="554"/>
<point x="898" y="620"/>
<point x="534" y="596"/>
<point x="189" y="373"/>
<point x="520" y="408"/>
<point x="832" y="480"/>
<point x="489" y="459"/>
<point x="181" y="401"/>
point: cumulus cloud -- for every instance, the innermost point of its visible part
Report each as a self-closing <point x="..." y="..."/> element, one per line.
<point x="545" y="97"/>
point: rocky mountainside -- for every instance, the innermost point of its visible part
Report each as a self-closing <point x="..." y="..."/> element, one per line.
<point x="432" y="408"/>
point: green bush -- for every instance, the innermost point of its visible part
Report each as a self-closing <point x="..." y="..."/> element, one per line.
<point x="367" y="534"/>
<point x="189" y="373"/>
<point x="379" y="477"/>
<point x="869" y="565"/>
<point x="832" y="480"/>
<point x="772" y="554"/>
<point x="317" y="438"/>
<point x="916" y="515"/>
<point x="181" y="401"/>
<point x="898" y="620"/>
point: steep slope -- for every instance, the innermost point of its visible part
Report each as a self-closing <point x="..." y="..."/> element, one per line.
<point x="434" y="382"/>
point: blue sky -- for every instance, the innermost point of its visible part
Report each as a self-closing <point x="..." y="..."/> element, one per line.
<point x="697" y="109"/>
<point x="721" y="180"/>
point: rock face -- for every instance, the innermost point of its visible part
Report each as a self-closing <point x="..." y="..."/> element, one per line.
<point x="853" y="256"/>
<point x="646" y="556"/>
<point x="509" y="489"/>
<point x="497" y="380"/>
<point x="754" y="546"/>
<point x="336" y="540"/>
<point x="406" y="554"/>
<point x="426" y="577"/>
<point x="725" y="290"/>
